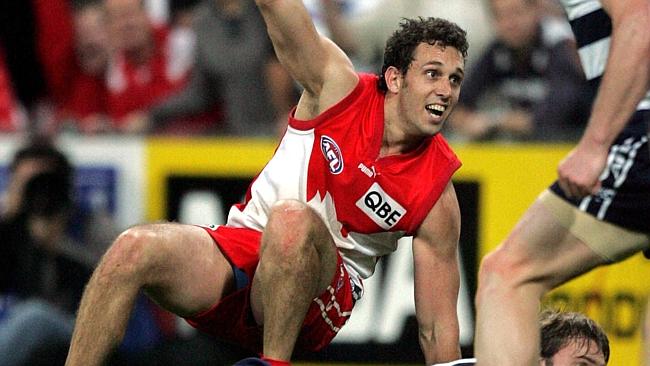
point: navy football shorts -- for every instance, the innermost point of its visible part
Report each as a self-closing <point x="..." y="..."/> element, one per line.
<point x="624" y="198"/>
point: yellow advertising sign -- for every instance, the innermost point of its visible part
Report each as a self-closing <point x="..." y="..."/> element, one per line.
<point x="200" y="157"/>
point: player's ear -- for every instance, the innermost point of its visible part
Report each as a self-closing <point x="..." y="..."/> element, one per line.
<point x="393" y="79"/>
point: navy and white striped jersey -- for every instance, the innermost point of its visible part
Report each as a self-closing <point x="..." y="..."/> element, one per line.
<point x="593" y="29"/>
<point x="624" y="196"/>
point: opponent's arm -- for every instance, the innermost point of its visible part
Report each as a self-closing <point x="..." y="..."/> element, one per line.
<point x="437" y="279"/>
<point x="321" y="68"/>
<point x="625" y="81"/>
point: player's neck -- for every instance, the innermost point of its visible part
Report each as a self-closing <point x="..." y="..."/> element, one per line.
<point x="396" y="139"/>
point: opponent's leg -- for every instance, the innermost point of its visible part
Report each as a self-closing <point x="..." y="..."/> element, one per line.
<point x="538" y="255"/>
<point x="297" y="262"/>
<point x="178" y="266"/>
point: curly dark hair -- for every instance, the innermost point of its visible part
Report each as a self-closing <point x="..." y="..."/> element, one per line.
<point x="401" y="45"/>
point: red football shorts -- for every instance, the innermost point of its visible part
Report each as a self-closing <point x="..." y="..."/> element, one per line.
<point x="232" y="318"/>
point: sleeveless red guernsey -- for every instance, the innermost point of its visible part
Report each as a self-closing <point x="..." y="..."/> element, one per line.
<point x="332" y="163"/>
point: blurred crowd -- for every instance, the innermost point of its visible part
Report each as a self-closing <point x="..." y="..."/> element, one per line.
<point x="206" y="67"/>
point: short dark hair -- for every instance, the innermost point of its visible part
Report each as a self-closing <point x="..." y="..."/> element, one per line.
<point x="560" y="328"/>
<point x="401" y="45"/>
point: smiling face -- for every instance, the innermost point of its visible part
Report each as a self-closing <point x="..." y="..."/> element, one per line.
<point x="429" y="90"/>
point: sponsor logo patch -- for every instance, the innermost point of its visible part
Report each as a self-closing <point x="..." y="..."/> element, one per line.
<point x="332" y="154"/>
<point x="381" y="207"/>
<point x="370" y="172"/>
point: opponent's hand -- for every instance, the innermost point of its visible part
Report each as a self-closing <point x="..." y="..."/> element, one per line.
<point x="579" y="171"/>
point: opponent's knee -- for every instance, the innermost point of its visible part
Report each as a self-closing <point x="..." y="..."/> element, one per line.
<point x="504" y="270"/>
<point x="498" y="269"/>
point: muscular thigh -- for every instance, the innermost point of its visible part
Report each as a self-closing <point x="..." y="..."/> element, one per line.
<point x="556" y="242"/>
<point x="610" y="241"/>
<point x="189" y="273"/>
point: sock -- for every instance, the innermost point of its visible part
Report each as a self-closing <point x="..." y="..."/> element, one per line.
<point x="276" y="362"/>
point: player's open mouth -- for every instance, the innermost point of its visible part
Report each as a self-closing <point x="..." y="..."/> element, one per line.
<point x="436" y="109"/>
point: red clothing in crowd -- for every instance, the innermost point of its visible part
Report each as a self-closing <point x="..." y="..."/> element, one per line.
<point x="133" y="88"/>
<point x="10" y="112"/>
<point x="76" y="94"/>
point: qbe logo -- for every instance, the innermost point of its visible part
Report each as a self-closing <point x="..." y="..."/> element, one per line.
<point x="332" y="154"/>
<point x="381" y="207"/>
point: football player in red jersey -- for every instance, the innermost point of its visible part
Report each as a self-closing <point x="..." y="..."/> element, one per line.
<point x="361" y="165"/>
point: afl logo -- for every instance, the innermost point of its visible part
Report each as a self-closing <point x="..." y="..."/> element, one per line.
<point x="332" y="154"/>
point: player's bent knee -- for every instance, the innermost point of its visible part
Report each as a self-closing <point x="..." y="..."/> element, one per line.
<point x="130" y="254"/>
<point x="289" y="211"/>
<point x="293" y="226"/>
<point x="294" y="218"/>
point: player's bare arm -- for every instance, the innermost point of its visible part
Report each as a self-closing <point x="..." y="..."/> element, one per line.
<point x="315" y="62"/>
<point x="625" y="82"/>
<point x="437" y="279"/>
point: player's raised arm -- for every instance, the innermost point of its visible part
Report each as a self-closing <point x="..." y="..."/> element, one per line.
<point x="315" y="62"/>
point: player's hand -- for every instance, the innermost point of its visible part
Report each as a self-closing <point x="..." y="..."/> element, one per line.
<point x="578" y="173"/>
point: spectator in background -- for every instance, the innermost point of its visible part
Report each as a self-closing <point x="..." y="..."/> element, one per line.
<point x="142" y="70"/>
<point x="107" y="63"/>
<point x="55" y="59"/>
<point x="75" y="54"/>
<point x="236" y="81"/>
<point x="92" y="54"/>
<point x="42" y="268"/>
<point x="49" y="246"/>
<point x="527" y="85"/>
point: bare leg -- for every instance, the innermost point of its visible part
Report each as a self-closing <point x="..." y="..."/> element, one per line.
<point x="538" y="255"/>
<point x="297" y="262"/>
<point x="177" y="265"/>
